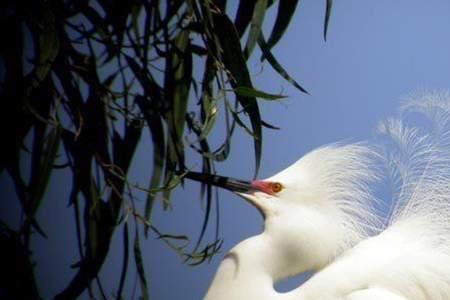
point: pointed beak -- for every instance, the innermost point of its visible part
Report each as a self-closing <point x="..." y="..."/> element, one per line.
<point x="231" y="184"/>
<point x="245" y="189"/>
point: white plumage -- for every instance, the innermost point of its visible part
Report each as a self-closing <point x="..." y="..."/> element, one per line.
<point x="322" y="218"/>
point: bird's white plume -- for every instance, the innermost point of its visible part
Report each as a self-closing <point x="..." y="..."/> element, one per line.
<point x="411" y="257"/>
<point x="419" y="160"/>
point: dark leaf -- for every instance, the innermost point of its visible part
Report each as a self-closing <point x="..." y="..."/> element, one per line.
<point x="48" y="45"/>
<point x="44" y="167"/>
<point x="177" y="83"/>
<point x="123" y="273"/>
<point x="148" y="84"/>
<point x="182" y="68"/>
<point x="255" y="27"/>
<point x="155" y="126"/>
<point x="207" y="168"/>
<point x="140" y="267"/>
<point x="244" y="16"/>
<point x="270" y="126"/>
<point x="251" y="92"/>
<point x="208" y="103"/>
<point x="327" y="18"/>
<point x="276" y="65"/>
<point x="173" y="237"/>
<point x="235" y="63"/>
<point x="286" y="9"/>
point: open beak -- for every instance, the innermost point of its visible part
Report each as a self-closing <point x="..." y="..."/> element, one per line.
<point x="231" y="184"/>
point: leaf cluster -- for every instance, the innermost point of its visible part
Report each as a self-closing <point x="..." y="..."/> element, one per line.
<point x="83" y="80"/>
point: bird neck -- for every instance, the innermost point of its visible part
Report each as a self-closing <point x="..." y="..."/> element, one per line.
<point x="287" y="247"/>
<point x="247" y="271"/>
<point x="259" y="255"/>
<point x="251" y="268"/>
<point x="301" y="240"/>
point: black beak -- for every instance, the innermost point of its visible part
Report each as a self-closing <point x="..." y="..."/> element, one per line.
<point x="234" y="185"/>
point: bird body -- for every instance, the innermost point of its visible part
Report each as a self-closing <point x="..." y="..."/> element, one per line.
<point x="396" y="261"/>
<point x="319" y="217"/>
<point x="380" y="267"/>
<point x="374" y="293"/>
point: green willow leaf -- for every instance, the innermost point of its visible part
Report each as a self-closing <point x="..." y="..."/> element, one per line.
<point x="158" y="138"/>
<point x="327" y="18"/>
<point x="177" y="81"/>
<point x="140" y="266"/>
<point x="236" y="65"/>
<point x="182" y="67"/>
<point x="155" y="125"/>
<point x="134" y="15"/>
<point x="276" y="65"/>
<point x="113" y="51"/>
<point x="48" y="157"/>
<point x="255" y="27"/>
<point x="210" y="121"/>
<point x="208" y="189"/>
<point x="171" y="179"/>
<point x="208" y="102"/>
<point x="250" y="92"/>
<point x="48" y="45"/>
<point x="123" y="273"/>
<point x="207" y="168"/>
<point x="244" y="16"/>
<point x="286" y="9"/>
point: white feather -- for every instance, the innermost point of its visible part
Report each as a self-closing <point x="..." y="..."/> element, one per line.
<point x="411" y="257"/>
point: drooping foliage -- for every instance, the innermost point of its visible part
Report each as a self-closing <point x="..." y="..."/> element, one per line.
<point x="80" y="83"/>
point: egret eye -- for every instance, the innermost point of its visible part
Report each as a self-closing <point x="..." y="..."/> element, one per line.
<point x="276" y="187"/>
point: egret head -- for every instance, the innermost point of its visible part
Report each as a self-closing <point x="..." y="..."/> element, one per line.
<point x="320" y="203"/>
<point x="330" y="178"/>
<point x="318" y="206"/>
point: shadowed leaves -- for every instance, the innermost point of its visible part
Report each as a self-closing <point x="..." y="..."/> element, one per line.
<point x="101" y="73"/>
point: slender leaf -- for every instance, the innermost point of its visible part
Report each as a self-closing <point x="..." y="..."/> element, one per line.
<point x="255" y="27"/>
<point x="327" y="18"/>
<point x="140" y="267"/>
<point x="177" y="83"/>
<point x="235" y="63"/>
<point x="244" y="16"/>
<point x="286" y="9"/>
<point x="155" y="125"/>
<point x="123" y="273"/>
<point x="173" y="237"/>
<point x="276" y="65"/>
<point x="48" y="156"/>
<point x="182" y="66"/>
<point x="48" y="44"/>
<point x="270" y="126"/>
<point x="251" y="92"/>
<point x="208" y="103"/>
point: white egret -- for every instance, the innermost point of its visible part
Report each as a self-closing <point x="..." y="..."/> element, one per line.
<point x="313" y="210"/>
<point x="320" y="207"/>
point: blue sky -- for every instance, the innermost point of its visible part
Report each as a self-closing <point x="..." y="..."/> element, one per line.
<point x="376" y="53"/>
